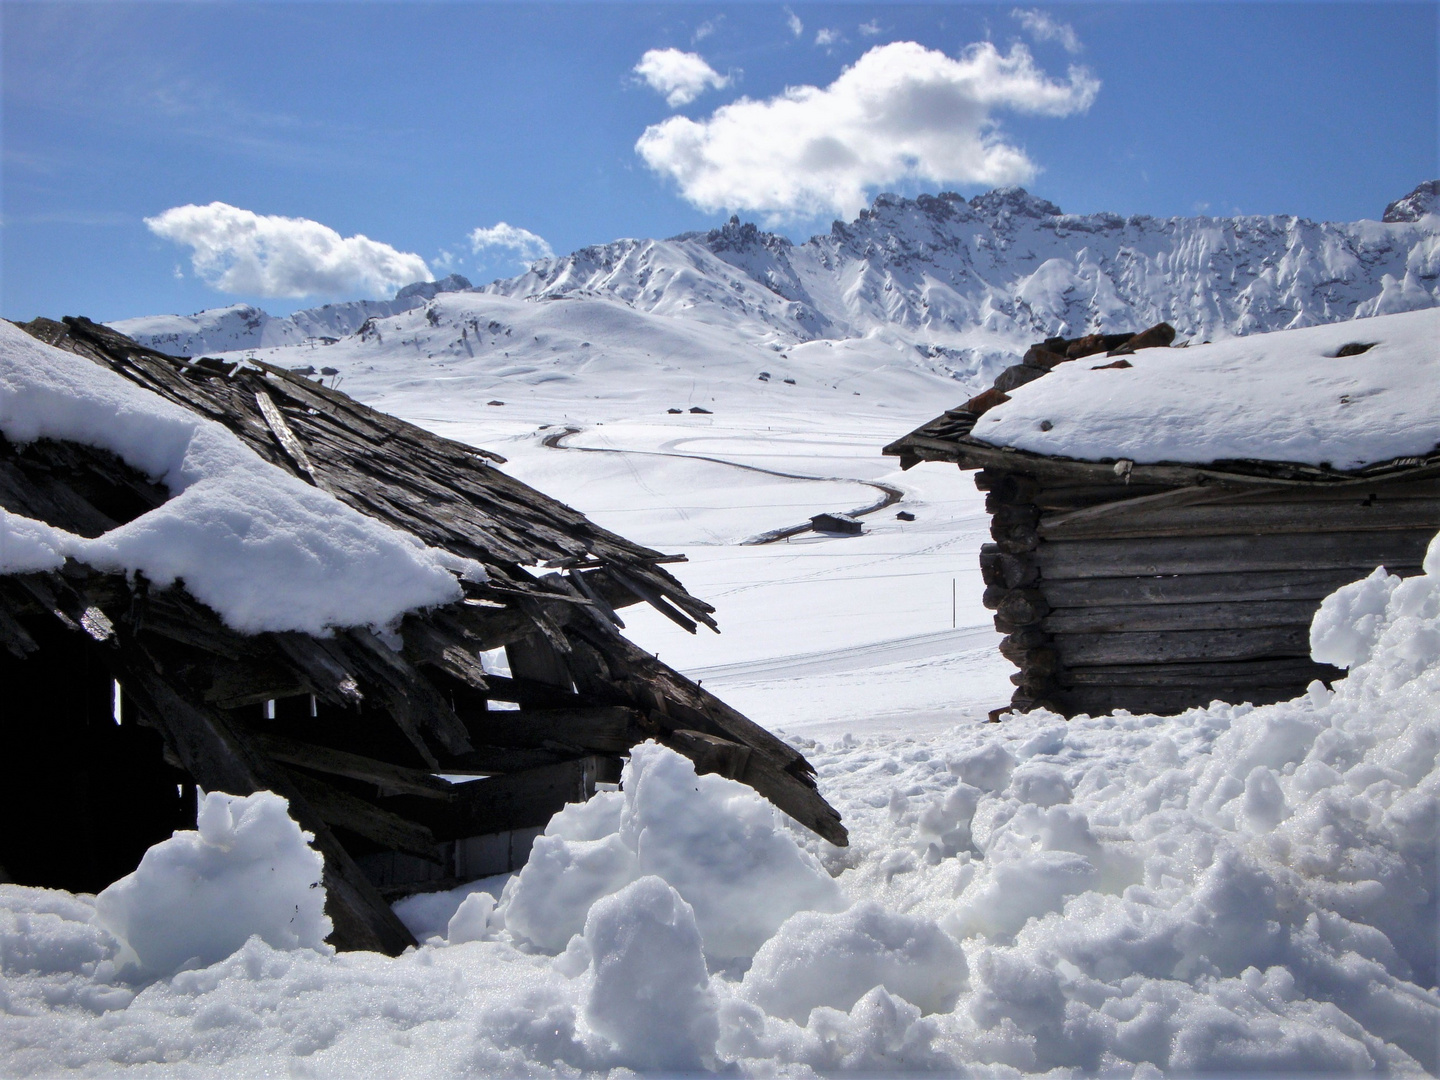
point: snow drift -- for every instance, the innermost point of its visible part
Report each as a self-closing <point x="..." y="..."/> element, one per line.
<point x="1235" y="889"/>
<point x="199" y="896"/>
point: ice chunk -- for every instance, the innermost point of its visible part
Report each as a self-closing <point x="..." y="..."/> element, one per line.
<point x="651" y="996"/>
<point x="835" y="959"/>
<point x="197" y="897"/>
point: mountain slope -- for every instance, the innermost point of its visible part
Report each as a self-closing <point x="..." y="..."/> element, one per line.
<point x="950" y="287"/>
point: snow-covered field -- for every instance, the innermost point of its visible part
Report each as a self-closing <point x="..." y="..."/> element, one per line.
<point x="1237" y="889"/>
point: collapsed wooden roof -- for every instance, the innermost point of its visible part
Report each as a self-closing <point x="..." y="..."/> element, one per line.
<point x="583" y="691"/>
<point x="1157" y="587"/>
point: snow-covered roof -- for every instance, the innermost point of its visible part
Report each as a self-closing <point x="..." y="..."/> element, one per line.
<point x="1285" y="397"/>
<point x="239" y="531"/>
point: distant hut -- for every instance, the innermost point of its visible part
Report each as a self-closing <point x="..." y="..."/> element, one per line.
<point x="1166" y="522"/>
<point x="371" y="741"/>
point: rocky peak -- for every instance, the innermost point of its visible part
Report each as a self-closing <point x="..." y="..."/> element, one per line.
<point x="737" y="236"/>
<point x="430" y="289"/>
<point x="1013" y="202"/>
<point x="1425" y="199"/>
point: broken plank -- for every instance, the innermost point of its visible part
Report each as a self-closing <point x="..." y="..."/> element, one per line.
<point x="342" y="810"/>
<point x="390" y="779"/>
<point x="292" y="446"/>
<point x="515" y="801"/>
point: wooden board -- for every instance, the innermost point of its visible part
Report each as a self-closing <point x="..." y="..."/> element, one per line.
<point x="1294" y="671"/>
<point x="1253" y="518"/>
<point x="1212" y="616"/>
<point x="1170" y="646"/>
<point x="1221" y="587"/>
<point x="1360" y="551"/>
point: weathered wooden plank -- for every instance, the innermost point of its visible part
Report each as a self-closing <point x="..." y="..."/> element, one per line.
<point x="275" y="420"/>
<point x="1204" y="588"/>
<point x="1170" y="646"/>
<point x="390" y="779"/>
<point x="1363" y="551"/>
<point x="342" y="810"/>
<point x="609" y="729"/>
<point x="1279" y="670"/>
<point x="1214" y="616"/>
<point x="1165" y="701"/>
<point x="1252" y="518"/>
<point x="515" y="801"/>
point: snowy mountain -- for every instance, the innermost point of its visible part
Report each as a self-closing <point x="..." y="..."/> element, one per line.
<point x="952" y="286"/>
<point x="244" y="326"/>
<point x="1015" y="265"/>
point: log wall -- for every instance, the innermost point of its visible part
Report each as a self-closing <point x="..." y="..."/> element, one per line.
<point x="1156" y="597"/>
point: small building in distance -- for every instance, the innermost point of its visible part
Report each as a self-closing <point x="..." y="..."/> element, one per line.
<point x="414" y="766"/>
<point x="1167" y="520"/>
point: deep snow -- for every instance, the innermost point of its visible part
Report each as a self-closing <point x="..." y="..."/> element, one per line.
<point x="1235" y="889"/>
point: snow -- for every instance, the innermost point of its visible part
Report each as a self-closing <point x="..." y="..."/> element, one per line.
<point x="197" y="897"/>
<point x="1236" y="889"/>
<point x="239" y="531"/>
<point x="725" y="850"/>
<point x="1283" y="396"/>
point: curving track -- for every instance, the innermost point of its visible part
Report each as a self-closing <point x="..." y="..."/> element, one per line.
<point x="889" y="494"/>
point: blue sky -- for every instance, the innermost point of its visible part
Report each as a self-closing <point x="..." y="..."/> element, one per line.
<point x="416" y="124"/>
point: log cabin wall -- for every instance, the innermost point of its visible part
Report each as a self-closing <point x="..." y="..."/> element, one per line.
<point x="1158" y="597"/>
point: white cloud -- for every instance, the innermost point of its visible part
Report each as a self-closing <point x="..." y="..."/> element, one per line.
<point x="239" y="251"/>
<point x="793" y="22"/>
<point x="901" y="112"/>
<point x="680" y="76"/>
<point x="826" y="37"/>
<point x="526" y="245"/>
<point x="870" y="29"/>
<point x="1043" y="28"/>
<point x="706" y="28"/>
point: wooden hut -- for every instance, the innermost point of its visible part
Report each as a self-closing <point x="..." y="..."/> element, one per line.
<point x="1159" y="585"/>
<point x="121" y="694"/>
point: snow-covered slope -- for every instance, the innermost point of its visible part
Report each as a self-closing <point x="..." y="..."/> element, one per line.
<point x="243" y="326"/>
<point x="961" y="283"/>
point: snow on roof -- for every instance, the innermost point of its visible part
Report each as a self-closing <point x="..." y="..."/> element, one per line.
<point x="1283" y="396"/>
<point x="262" y="548"/>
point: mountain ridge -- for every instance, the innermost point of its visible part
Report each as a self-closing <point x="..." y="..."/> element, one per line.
<point x="993" y="272"/>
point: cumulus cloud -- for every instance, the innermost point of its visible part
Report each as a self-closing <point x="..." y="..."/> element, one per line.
<point x="826" y="37"/>
<point x="901" y="112"/>
<point x="870" y="29"/>
<point x="793" y="22"/>
<point x="526" y="245"/>
<point x="706" y="28"/>
<point x="239" y="251"/>
<point x="1042" y="27"/>
<point x="680" y="76"/>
